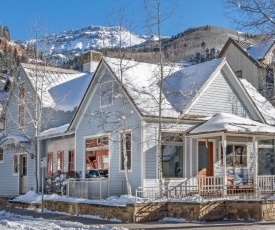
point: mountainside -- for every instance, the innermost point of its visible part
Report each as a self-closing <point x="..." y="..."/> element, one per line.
<point x="194" y="44"/>
<point x="73" y="42"/>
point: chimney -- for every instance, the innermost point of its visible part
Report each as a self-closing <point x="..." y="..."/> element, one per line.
<point x="90" y="60"/>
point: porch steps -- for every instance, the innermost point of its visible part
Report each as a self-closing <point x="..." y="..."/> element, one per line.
<point x="151" y="212"/>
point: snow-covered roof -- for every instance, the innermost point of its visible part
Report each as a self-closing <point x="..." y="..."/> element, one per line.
<point x="260" y="50"/>
<point x="54" y="131"/>
<point x="13" y="139"/>
<point x="232" y="123"/>
<point x="263" y="105"/>
<point x="51" y="80"/>
<point x="180" y="86"/>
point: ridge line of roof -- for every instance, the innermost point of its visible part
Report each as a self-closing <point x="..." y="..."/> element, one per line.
<point x="51" y="69"/>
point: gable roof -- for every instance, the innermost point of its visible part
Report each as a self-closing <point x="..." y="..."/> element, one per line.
<point x="57" y="85"/>
<point x="262" y="104"/>
<point x="254" y="52"/>
<point x="180" y="85"/>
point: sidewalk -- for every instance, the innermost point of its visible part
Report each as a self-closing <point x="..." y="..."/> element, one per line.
<point x="217" y="225"/>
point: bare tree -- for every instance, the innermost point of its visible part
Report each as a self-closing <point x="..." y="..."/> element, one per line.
<point x="255" y="15"/>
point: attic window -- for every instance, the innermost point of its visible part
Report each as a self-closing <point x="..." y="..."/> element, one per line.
<point x="106" y="93"/>
<point x="239" y="73"/>
<point x="21" y="91"/>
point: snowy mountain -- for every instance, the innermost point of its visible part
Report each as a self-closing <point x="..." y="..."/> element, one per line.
<point x="72" y="42"/>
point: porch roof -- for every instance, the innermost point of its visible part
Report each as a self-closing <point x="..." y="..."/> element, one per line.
<point x="14" y="140"/>
<point x="224" y="122"/>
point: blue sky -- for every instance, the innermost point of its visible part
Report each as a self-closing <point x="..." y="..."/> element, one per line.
<point x="62" y="15"/>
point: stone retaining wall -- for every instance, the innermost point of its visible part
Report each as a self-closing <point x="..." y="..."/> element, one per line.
<point x="216" y="210"/>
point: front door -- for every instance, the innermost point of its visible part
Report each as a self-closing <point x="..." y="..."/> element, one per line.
<point x="23" y="173"/>
<point x="205" y="158"/>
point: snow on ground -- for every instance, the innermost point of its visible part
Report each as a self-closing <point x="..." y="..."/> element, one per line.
<point x="13" y="221"/>
<point x="33" y="197"/>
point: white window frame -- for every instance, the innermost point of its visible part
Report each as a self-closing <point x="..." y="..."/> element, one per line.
<point x="120" y="152"/>
<point x="112" y="93"/>
<point x="24" y="115"/>
<point x="85" y="149"/>
<point x="13" y="172"/>
<point x="23" y="98"/>
<point x="234" y="143"/>
<point x="183" y="144"/>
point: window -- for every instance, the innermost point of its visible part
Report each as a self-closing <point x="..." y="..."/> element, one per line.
<point x="59" y="161"/>
<point x="236" y="155"/>
<point x="239" y="73"/>
<point x="1" y="155"/>
<point x="71" y="160"/>
<point x="172" y="154"/>
<point x="269" y="77"/>
<point x="97" y="152"/>
<point x="21" y="115"/>
<point x="50" y="164"/>
<point x="15" y="164"/>
<point x="21" y="91"/>
<point x="106" y="93"/>
<point x="128" y="150"/>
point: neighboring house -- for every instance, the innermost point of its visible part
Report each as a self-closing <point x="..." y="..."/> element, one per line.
<point x="122" y="97"/>
<point x="40" y="98"/>
<point x="253" y="62"/>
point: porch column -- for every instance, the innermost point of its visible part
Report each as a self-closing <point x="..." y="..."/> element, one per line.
<point x="191" y="154"/>
<point x="255" y="148"/>
<point x="224" y="144"/>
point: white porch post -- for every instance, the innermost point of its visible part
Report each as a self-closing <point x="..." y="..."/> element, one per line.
<point x="191" y="154"/>
<point x="255" y="148"/>
<point x="224" y="144"/>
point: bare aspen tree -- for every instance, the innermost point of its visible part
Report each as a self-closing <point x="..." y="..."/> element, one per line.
<point x="255" y="15"/>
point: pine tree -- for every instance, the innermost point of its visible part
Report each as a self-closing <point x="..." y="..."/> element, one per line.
<point x="6" y="33"/>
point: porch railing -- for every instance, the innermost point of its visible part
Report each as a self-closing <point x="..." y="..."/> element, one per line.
<point x="266" y="184"/>
<point x="199" y="189"/>
<point x="96" y="188"/>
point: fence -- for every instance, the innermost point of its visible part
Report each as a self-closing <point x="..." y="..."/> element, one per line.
<point x="96" y="188"/>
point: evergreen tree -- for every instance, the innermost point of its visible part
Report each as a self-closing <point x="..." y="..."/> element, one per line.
<point x="6" y="33"/>
<point x="1" y="31"/>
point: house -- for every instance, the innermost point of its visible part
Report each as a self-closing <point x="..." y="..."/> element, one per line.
<point x="253" y="62"/>
<point x="40" y="98"/>
<point x="121" y="103"/>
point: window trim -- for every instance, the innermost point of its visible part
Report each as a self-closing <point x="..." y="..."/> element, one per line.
<point x="21" y="97"/>
<point x="239" y="74"/>
<point x="106" y="82"/>
<point x="13" y="171"/>
<point x="70" y="162"/>
<point x="61" y="161"/>
<point x="85" y="149"/>
<point x="51" y="165"/>
<point x="120" y="151"/>
<point x="171" y="143"/>
<point x="21" y="123"/>
<point x="233" y="143"/>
